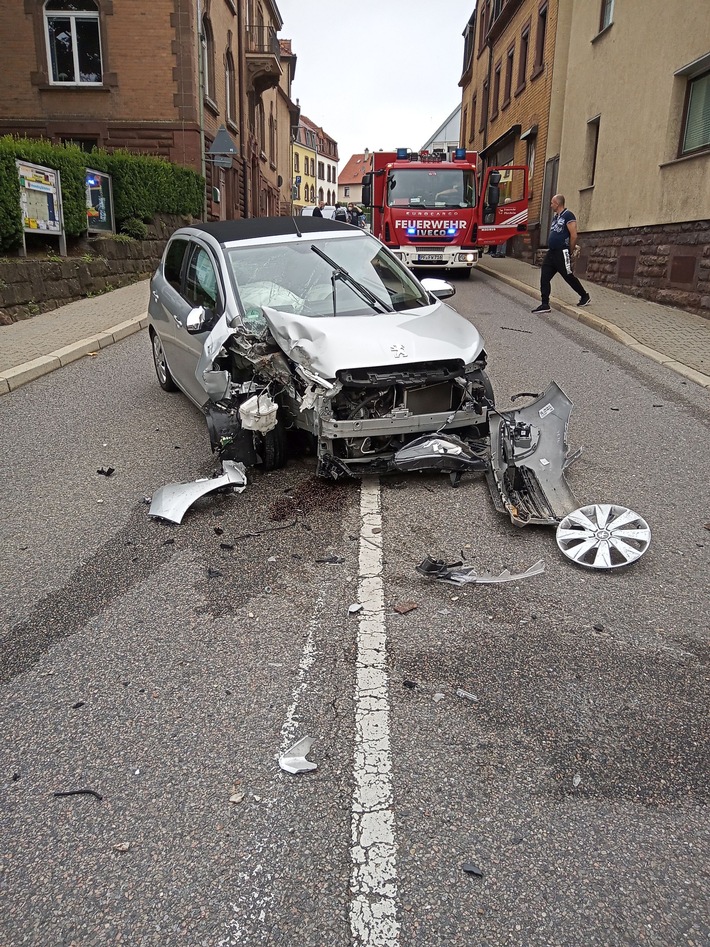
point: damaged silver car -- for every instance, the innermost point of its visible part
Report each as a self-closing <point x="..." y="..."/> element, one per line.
<point x="285" y="329"/>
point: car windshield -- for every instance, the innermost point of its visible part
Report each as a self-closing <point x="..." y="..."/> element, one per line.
<point x="430" y="187"/>
<point x="292" y="277"/>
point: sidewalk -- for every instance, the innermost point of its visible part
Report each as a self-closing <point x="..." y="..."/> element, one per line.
<point x="672" y="337"/>
<point x="677" y="339"/>
<point x="50" y="340"/>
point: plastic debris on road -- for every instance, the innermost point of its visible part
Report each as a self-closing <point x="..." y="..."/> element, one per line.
<point x="294" y="759"/>
<point x="467" y="695"/>
<point x="458" y="574"/>
<point x="172" y="501"/>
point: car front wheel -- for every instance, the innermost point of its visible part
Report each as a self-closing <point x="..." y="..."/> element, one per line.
<point x="274" y="448"/>
<point x="165" y="379"/>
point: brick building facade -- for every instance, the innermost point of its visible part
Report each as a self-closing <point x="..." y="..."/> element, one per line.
<point x="159" y="78"/>
<point x="567" y="88"/>
<point x="506" y="91"/>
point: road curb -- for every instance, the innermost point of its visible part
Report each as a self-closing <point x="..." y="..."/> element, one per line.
<point x="607" y="328"/>
<point x="14" y="378"/>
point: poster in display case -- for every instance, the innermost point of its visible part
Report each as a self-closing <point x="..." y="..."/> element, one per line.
<point x="41" y="203"/>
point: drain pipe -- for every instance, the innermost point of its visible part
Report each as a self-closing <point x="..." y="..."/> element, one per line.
<point x="201" y="103"/>
<point x="242" y="126"/>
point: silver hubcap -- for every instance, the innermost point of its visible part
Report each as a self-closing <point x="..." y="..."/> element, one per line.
<point x="603" y="536"/>
<point x="159" y="357"/>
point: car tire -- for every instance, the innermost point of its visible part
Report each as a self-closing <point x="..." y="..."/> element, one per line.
<point x="165" y="379"/>
<point x="273" y="448"/>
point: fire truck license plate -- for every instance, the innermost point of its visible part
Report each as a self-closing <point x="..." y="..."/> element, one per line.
<point x="430" y="258"/>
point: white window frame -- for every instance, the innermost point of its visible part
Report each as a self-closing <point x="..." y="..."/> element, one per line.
<point x="691" y="87"/>
<point x="230" y="86"/>
<point x="72" y="16"/>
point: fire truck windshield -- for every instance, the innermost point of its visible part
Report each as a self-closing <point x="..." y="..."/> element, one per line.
<point x="431" y="187"/>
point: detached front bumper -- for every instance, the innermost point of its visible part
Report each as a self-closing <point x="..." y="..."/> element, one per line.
<point x="447" y="258"/>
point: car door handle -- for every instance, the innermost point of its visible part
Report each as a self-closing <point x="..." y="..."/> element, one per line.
<point x="155" y="296"/>
<point x="177" y="321"/>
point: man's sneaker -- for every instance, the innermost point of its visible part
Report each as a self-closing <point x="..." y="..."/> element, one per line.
<point x="585" y="300"/>
<point x="541" y="308"/>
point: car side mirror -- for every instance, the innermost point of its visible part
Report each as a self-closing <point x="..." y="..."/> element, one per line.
<point x="366" y="197"/>
<point x="438" y="287"/>
<point x="196" y="319"/>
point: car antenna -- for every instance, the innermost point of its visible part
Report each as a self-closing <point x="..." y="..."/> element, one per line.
<point x="296" y="226"/>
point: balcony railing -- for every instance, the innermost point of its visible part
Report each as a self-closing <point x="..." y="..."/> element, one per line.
<point x="263" y="39"/>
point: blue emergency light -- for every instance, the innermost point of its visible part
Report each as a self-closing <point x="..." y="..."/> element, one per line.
<point x="450" y="231"/>
<point x="402" y="153"/>
<point x="411" y="231"/>
<point x="459" y="154"/>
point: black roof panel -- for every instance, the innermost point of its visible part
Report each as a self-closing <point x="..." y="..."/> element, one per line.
<point x="225" y="231"/>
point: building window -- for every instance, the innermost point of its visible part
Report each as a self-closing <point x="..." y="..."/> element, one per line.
<point x="606" y="17"/>
<point x="346" y="191"/>
<point x="73" y="42"/>
<point x="208" y="59"/>
<point x="261" y="126"/>
<point x="523" y="62"/>
<point x="496" y="91"/>
<point x="591" y="149"/>
<point x="472" y="126"/>
<point x="508" y="76"/>
<point x="540" y="38"/>
<point x="321" y="170"/>
<point x="530" y="161"/>
<point x="230" y="87"/>
<point x="484" y="106"/>
<point x="272" y="135"/>
<point x="296" y="163"/>
<point x="313" y="194"/>
<point x="321" y="196"/>
<point x="696" y="127"/>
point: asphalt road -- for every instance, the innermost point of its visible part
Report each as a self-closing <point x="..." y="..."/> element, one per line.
<point x="576" y="781"/>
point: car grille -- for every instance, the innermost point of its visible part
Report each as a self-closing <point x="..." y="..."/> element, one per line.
<point x="416" y="375"/>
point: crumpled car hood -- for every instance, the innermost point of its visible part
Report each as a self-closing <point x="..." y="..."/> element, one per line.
<point x="327" y="345"/>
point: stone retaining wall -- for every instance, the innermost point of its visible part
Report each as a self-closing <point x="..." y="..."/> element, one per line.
<point x="666" y="264"/>
<point x="29" y="285"/>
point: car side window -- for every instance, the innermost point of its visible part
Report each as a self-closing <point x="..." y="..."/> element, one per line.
<point x="201" y="281"/>
<point x="172" y="268"/>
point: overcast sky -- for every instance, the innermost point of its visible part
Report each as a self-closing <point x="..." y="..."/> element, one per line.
<point x="376" y="73"/>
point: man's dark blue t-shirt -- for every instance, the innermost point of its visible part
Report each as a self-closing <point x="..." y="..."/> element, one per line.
<point x="559" y="232"/>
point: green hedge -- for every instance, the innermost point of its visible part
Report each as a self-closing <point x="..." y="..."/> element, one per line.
<point x="142" y="185"/>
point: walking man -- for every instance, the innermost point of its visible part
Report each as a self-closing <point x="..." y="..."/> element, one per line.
<point x="560" y="249"/>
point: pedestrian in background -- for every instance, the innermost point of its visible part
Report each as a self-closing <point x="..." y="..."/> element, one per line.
<point x="353" y="214"/>
<point x="318" y="211"/>
<point x="560" y="253"/>
<point x="340" y="212"/>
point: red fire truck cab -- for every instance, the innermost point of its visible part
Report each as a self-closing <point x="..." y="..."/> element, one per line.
<point x="427" y="208"/>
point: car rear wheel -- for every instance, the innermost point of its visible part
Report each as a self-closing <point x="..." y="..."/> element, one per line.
<point x="165" y="379"/>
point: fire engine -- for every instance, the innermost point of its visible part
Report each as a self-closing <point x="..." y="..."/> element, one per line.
<point x="426" y="208"/>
